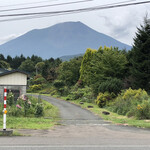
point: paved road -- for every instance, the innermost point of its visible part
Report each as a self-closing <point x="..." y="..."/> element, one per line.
<point x="81" y="130"/>
<point x="73" y="114"/>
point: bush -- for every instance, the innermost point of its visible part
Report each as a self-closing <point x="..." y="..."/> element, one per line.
<point x="84" y="94"/>
<point x="39" y="110"/>
<point x="143" y="110"/>
<point x="112" y="85"/>
<point x="10" y="99"/>
<point x="127" y="102"/>
<point x="58" y="83"/>
<point x="14" y="111"/>
<point x="35" y="87"/>
<point x="104" y="98"/>
<point x="40" y="80"/>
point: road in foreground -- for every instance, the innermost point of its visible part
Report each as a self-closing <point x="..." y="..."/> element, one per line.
<point x="81" y="130"/>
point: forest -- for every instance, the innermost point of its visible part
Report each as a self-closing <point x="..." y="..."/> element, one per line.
<point x="118" y="80"/>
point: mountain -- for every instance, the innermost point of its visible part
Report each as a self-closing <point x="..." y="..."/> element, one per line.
<point x="68" y="38"/>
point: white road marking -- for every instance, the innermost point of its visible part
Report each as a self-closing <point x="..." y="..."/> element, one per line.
<point x="93" y="124"/>
<point x="77" y="146"/>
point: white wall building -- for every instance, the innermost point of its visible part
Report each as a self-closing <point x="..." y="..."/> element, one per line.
<point x="15" y="81"/>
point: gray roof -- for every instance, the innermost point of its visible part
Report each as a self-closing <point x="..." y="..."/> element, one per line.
<point x="6" y="72"/>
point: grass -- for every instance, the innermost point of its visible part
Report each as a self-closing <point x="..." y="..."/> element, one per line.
<point x="28" y="123"/>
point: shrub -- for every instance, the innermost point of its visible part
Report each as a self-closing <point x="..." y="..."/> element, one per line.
<point x="40" y="80"/>
<point x="58" y="83"/>
<point x="35" y="87"/>
<point x="143" y="110"/>
<point x="24" y="104"/>
<point x="10" y="99"/>
<point x="128" y="100"/>
<point x="112" y="85"/>
<point x="104" y="98"/>
<point x="84" y="94"/>
<point x="15" y="111"/>
<point x="39" y="110"/>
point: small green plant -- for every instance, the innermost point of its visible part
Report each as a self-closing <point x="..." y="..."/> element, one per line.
<point x="39" y="110"/>
<point x="10" y="99"/>
<point x="104" y="98"/>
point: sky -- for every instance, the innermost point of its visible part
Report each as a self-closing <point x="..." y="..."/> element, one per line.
<point x="119" y="23"/>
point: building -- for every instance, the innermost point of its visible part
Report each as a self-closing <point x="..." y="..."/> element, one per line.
<point x="15" y="81"/>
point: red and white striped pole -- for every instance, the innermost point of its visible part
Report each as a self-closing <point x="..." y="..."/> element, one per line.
<point x="4" y="111"/>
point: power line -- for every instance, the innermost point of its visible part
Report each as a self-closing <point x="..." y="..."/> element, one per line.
<point x="35" y="7"/>
<point x="75" y="10"/>
<point x="42" y="16"/>
<point x="27" y="3"/>
<point x="65" y="12"/>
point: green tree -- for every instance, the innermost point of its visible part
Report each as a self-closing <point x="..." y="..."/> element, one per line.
<point x="16" y="62"/>
<point x="69" y="71"/>
<point x="27" y="66"/>
<point x="36" y="59"/>
<point x="4" y="64"/>
<point x="2" y="57"/>
<point x="139" y="57"/>
<point x="49" y="69"/>
<point x="85" y="65"/>
<point x="106" y="63"/>
<point x="9" y="59"/>
<point x="39" y="66"/>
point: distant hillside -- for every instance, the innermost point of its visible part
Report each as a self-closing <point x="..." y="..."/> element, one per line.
<point x="62" y="39"/>
<point x="68" y="57"/>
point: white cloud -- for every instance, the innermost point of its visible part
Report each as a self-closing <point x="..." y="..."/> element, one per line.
<point x="119" y="23"/>
<point x="7" y="38"/>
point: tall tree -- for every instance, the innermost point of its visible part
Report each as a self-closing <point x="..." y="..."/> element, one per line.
<point x="39" y="67"/>
<point x="140" y="57"/>
<point x="85" y="65"/>
<point x="27" y="66"/>
<point x="68" y="71"/>
<point x="2" y="57"/>
<point x="16" y="62"/>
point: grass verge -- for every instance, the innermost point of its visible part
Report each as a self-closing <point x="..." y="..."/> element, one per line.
<point x="28" y="123"/>
<point x="113" y="117"/>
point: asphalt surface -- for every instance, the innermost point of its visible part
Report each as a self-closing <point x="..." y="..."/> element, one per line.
<point x="80" y="130"/>
<point x="71" y="114"/>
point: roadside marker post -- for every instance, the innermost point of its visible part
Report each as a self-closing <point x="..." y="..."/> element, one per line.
<point x="4" y="111"/>
<point x="4" y="132"/>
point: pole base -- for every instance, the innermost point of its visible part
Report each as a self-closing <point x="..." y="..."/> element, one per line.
<point x="6" y="132"/>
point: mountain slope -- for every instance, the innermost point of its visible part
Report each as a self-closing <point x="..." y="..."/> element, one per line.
<point x="67" y="38"/>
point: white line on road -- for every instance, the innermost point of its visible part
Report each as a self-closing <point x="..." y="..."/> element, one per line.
<point x="90" y="124"/>
<point x="77" y="146"/>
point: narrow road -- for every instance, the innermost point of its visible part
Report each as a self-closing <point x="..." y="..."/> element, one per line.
<point x="81" y="130"/>
<point x="73" y="114"/>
